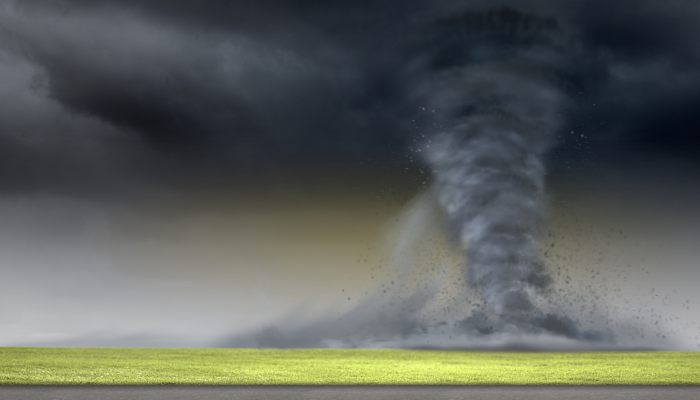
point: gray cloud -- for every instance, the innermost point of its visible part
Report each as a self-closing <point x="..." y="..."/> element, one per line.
<point x="225" y="87"/>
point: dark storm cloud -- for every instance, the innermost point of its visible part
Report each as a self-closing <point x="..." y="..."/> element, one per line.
<point x="636" y="83"/>
<point x="43" y="148"/>
<point x="235" y="84"/>
<point x="176" y="85"/>
<point x="266" y="89"/>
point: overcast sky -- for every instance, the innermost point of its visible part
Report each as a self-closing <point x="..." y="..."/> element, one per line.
<point x="104" y="94"/>
<point x="124" y="121"/>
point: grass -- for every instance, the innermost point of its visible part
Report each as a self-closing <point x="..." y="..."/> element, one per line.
<point x="109" y="366"/>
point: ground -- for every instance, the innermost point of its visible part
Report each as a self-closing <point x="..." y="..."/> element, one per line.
<point x="110" y="366"/>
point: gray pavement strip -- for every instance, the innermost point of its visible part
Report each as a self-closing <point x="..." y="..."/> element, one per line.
<point x="349" y="392"/>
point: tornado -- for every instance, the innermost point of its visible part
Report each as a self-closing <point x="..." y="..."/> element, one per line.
<point x="492" y="85"/>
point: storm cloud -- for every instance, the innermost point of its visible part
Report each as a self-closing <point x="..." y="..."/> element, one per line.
<point x="227" y="83"/>
<point x="220" y="87"/>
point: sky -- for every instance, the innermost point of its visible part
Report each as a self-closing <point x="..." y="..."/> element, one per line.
<point x="179" y="173"/>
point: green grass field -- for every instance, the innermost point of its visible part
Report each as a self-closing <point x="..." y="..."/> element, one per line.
<point x="58" y="366"/>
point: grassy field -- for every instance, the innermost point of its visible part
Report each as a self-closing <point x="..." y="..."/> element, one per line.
<point x="58" y="366"/>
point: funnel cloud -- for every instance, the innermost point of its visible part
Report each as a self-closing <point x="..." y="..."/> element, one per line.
<point x="497" y="115"/>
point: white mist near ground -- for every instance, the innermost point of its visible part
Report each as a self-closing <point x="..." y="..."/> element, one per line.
<point x="79" y="273"/>
<point x="607" y="277"/>
<point x="422" y="298"/>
